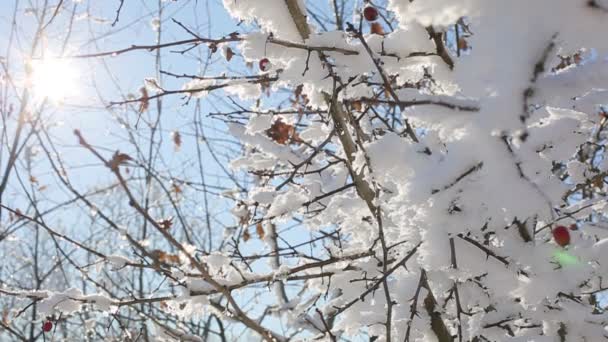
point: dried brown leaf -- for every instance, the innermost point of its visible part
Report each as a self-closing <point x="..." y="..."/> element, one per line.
<point x="463" y="44"/>
<point x="177" y="140"/>
<point x="598" y="182"/>
<point x="166" y="223"/>
<point x="376" y="28"/>
<point x="176" y="188"/>
<point x="118" y="159"/>
<point x="229" y="54"/>
<point x="281" y="132"/>
<point x="259" y="229"/>
<point x="144" y="101"/>
<point x="5" y="320"/>
<point x="566" y="61"/>
<point x="165" y="258"/>
<point x="298" y="91"/>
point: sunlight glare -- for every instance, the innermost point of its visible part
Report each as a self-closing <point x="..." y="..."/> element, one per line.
<point x="54" y="79"/>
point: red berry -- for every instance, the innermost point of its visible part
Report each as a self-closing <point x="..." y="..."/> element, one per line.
<point x="561" y="235"/>
<point x="47" y="326"/>
<point x="370" y="13"/>
<point x="265" y="64"/>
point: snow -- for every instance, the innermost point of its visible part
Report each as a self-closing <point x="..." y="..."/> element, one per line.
<point x="118" y="261"/>
<point x="577" y="171"/>
<point x="100" y="302"/>
<point x="287" y="202"/>
<point x="508" y="156"/>
<point x="199" y="87"/>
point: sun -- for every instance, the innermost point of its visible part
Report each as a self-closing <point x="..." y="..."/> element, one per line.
<point x="54" y="79"/>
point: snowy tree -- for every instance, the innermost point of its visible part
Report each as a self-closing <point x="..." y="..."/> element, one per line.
<point x="414" y="171"/>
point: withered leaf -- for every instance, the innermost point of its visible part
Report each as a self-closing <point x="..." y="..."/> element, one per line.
<point x="5" y="317"/>
<point x="176" y="188"/>
<point x="165" y="258"/>
<point x="566" y="61"/>
<point x="229" y="54"/>
<point x="298" y="91"/>
<point x="376" y="28"/>
<point x="281" y="132"/>
<point x="166" y="223"/>
<point x="463" y="44"/>
<point x="177" y="140"/>
<point x="246" y="235"/>
<point x="118" y="159"/>
<point x="144" y="101"/>
<point x="265" y="85"/>
<point x="259" y="229"/>
<point x="598" y="182"/>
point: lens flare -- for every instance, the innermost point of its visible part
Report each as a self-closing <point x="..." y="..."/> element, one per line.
<point x="564" y="258"/>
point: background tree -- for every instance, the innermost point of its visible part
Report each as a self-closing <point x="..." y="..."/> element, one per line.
<point x="399" y="171"/>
